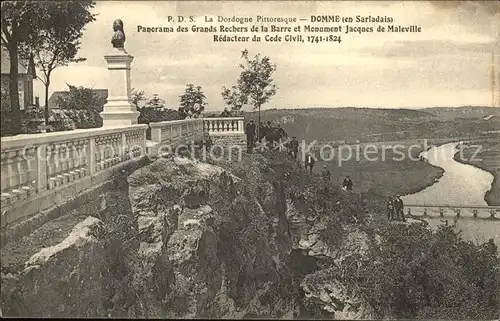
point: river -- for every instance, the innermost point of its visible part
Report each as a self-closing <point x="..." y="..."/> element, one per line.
<point x="461" y="185"/>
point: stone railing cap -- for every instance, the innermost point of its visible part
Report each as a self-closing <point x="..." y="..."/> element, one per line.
<point x="224" y="118"/>
<point x="21" y="141"/>
<point x="173" y="122"/>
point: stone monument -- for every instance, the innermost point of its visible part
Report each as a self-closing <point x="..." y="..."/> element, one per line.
<point x="119" y="110"/>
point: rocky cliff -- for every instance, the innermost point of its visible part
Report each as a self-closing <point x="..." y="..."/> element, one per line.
<point x="256" y="238"/>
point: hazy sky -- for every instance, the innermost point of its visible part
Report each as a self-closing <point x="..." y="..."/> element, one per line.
<point x="447" y="64"/>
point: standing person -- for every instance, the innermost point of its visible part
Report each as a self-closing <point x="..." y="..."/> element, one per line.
<point x="347" y="183"/>
<point x="281" y="132"/>
<point x="250" y="132"/>
<point x="294" y="146"/>
<point x="390" y="208"/>
<point x="262" y="131"/>
<point x="309" y="162"/>
<point x="398" y="202"/>
<point x="326" y="175"/>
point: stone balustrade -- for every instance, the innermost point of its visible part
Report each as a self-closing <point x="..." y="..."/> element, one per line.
<point x="224" y="126"/>
<point x="228" y="132"/>
<point x="40" y="171"/>
<point x="167" y="135"/>
<point x="43" y="171"/>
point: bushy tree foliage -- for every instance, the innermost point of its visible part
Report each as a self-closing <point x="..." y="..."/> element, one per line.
<point x="57" y="41"/>
<point x="414" y="272"/>
<point x="234" y="98"/>
<point x="138" y="97"/>
<point x="48" y="30"/>
<point x="255" y="83"/>
<point x="192" y="101"/>
<point x="155" y="102"/>
<point x="83" y="106"/>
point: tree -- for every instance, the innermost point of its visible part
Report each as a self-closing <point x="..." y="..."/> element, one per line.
<point x="83" y="106"/>
<point x="18" y="18"/>
<point x="256" y="80"/>
<point x="58" y="38"/>
<point x="413" y="272"/>
<point x="155" y="102"/>
<point x="193" y="101"/>
<point x="234" y="98"/>
<point x="137" y="97"/>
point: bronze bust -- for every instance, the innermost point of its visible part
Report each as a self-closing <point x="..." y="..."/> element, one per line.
<point x="119" y="37"/>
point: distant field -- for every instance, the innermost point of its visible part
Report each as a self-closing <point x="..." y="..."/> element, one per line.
<point x="376" y="124"/>
<point x="488" y="159"/>
<point x="386" y="175"/>
<point x="380" y="126"/>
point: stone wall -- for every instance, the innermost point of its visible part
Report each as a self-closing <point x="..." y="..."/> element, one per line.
<point x="229" y="140"/>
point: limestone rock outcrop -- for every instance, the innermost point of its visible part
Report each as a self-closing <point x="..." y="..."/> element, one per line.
<point x="67" y="279"/>
<point x="219" y="252"/>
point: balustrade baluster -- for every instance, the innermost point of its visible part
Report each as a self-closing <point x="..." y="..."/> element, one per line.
<point x="99" y="154"/>
<point x="60" y="159"/>
<point x="11" y="173"/>
<point x="42" y="177"/>
<point x="66" y="161"/>
<point x="30" y="170"/>
<point x="20" y="176"/>
<point x="5" y="177"/>
<point x="51" y="166"/>
<point x="75" y="171"/>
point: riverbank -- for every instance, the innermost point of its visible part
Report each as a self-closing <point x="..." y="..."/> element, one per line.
<point x="484" y="154"/>
<point x="386" y="173"/>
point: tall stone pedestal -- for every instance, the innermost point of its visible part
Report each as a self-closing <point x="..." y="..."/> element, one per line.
<point x="119" y="109"/>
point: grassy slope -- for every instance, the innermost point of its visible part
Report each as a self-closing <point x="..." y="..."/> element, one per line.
<point x="387" y="175"/>
<point x="488" y="158"/>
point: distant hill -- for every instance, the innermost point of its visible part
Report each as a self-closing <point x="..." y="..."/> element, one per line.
<point x="463" y="112"/>
<point x="376" y="124"/>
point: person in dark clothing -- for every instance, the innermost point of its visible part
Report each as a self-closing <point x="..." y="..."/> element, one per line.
<point x="281" y="132"/>
<point x="268" y="130"/>
<point x="398" y="206"/>
<point x="309" y="162"/>
<point x="347" y="183"/>
<point x="225" y="113"/>
<point x="326" y="175"/>
<point x="250" y="132"/>
<point x="294" y="147"/>
<point x="390" y="208"/>
<point x="262" y="131"/>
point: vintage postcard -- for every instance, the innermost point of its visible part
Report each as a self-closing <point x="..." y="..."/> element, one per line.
<point x="250" y="159"/>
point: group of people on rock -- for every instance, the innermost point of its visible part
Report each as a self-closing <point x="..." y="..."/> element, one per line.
<point x="395" y="209"/>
